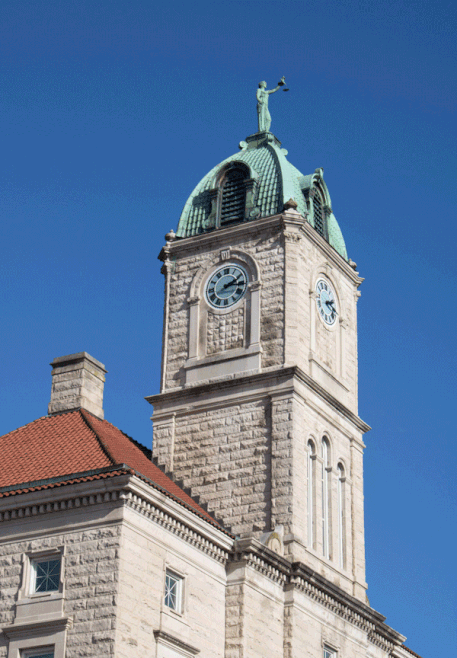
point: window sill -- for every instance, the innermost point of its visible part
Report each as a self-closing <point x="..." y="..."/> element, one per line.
<point x="222" y="364"/>
<point x="39" y="606"/>
<point x="218" y="357"/>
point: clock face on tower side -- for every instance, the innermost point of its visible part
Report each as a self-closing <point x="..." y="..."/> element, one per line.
<point x="226" y="286"/>
<point x="325" y="300"/>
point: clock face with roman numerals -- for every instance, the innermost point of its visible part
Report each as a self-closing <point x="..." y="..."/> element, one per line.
<point x="227" y="286"/>
<point x="325" y="300"/>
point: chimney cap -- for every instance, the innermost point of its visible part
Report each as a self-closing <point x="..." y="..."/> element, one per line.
<point x="73" y="358"/>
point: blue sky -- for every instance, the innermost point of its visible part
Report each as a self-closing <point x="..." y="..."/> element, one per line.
<point x="111" y="113"/>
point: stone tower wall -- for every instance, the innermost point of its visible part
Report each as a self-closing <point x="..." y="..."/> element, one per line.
<point x="267" y="250"/>
<point x="290" y="257"/>
<point x="239" y="440"/>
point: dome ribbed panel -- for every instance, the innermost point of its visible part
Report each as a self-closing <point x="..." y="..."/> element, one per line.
<point x="335" y="237"/>
<point x="296" y="176"/>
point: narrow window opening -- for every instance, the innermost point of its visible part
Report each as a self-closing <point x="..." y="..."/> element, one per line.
<point x="329" y="653"/>
<point x="341" y="518"/>
<point x="310" y="492"/>
<point x="173" y="591"/>
<point x="325" y="501"/>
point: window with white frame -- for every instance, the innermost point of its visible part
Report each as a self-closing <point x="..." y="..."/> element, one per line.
<point x="311" y="478"/>
<point x="325" y="499"/>
<point x="329" y="653"/>
<point x="45" y="574"/>
<point x="173" y="591"/>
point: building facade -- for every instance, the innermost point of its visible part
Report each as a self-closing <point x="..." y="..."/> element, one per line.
<point x="243" y="534"/>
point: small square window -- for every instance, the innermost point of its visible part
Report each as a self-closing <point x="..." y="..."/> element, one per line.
<point x="173" y="591"/>
<point x="46" y="575"/>
<point x="329" y="653"/>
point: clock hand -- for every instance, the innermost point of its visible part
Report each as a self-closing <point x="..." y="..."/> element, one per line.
<point x="331" y="303"/>
<point x="230" y="283"/>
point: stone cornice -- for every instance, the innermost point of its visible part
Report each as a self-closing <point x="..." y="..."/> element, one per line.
<point x="246" y="229"/>
<point x="340" y="602"/>
<point x="62" y="498"/>
<point x="182" y="522"/>
<point x="298" y="576"/>
<point x="124" y="490"/>
<point x="323" y="393"/>
<point x="282" y="374"/>
<point x="256" y="555"/>
<point x="213" y="238"/>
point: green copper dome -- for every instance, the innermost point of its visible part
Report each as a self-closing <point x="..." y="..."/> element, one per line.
<point x="270" y="181"/>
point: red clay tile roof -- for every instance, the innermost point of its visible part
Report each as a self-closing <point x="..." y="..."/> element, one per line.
<point x="411" y="652"/>
<point x="77" y="446"/>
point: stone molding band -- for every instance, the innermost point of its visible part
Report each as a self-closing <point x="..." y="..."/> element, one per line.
<point x="178" y="528"/>
<point x="300" y="577"/>
<point x="123" y="497"/>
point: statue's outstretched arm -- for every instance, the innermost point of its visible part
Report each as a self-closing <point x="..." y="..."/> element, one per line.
<point x="281" y="83"/>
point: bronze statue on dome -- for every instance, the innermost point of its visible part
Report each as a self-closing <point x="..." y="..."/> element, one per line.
<point x="263" y="115"/>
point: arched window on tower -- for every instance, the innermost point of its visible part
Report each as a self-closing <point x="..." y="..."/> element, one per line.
<point x="233" y="197"/>
<point x="341" y="517"/>
<point x="311" y="459"/>
<point x="325" y="498"/>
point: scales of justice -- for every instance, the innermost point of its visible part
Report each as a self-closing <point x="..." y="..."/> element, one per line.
<point x="263" y="115"/>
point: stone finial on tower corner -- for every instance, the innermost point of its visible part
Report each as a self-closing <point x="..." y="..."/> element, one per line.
<point x="77" y="383"/>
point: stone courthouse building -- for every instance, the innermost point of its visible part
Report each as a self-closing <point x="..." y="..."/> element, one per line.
<point x="242" y="536"/>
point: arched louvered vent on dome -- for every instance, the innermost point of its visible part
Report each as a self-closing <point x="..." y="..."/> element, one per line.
<point x="233" y="201"/>
<point x="318" y="214"/>
<point x="315" y="199"/>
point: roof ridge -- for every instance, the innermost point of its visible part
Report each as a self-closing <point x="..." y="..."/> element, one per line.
<point x="144" y="449"/>
<point x="103" y="445"/>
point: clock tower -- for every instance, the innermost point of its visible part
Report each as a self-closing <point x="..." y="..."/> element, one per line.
<point x="257" y="412"/>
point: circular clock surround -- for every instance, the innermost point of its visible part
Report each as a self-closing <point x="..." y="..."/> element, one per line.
<point x="326" y="301"/>
<point x="226" y="286"/>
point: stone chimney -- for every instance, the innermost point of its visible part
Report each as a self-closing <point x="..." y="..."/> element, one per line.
<point x="77" y="383"/>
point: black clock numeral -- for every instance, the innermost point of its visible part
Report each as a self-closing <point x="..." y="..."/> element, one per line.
<point x="218" y="275"/>
<point x="213" y="297"/>
<point x="210" y="290"/>
<point x="226" y="271"/>
<point x="226" y="301"/>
